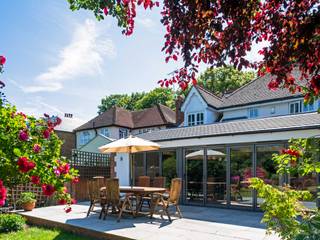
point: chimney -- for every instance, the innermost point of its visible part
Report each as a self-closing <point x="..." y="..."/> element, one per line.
<point x="179" y="114"/>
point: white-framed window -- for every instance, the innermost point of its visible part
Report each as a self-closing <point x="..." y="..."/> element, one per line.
<point x="123" y="132"/>
<point x="295" y="107"/>
<point x="195" y="119"/>
<point x="105" y="132"/>
<point x="253" y="112"/>
<point x="84" y="137"/>
<point x="200" y="118"/>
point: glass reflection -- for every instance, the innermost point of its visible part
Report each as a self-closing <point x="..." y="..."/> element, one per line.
<point x="241" y="171"/>
<point x="138" y="166"/>
<point x="308" y="183"/>
<point x="169" y="166"/>
<point x="216" y="176"/>
<point x="266" y="168"/>
<point x="194" y="176"/>
<point x="153" y="168"/>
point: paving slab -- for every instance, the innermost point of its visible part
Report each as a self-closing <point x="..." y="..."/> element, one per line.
<point x="197" y="223"/>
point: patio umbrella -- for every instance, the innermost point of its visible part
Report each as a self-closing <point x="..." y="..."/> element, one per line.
<point x="129" y="145"/>
<point x="211" y="154"/>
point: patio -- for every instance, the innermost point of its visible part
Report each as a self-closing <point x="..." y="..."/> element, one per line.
<point x="197" y="223"/>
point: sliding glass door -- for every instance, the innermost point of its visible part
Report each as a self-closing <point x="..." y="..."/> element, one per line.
<point x="216" y="184"/>
<point x="194" y="159"/>
<point x="241" y="169"/>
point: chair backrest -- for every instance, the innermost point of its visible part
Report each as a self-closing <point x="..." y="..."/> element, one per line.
<point x="93" y="189"/>
<point x="112" y="191"/>
<point x="144" y="181"/>
<point x="159" y="182"/>
<point x="175" y="190"/>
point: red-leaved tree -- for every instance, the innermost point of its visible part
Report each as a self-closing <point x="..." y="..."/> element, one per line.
<point x="216" y="32"/>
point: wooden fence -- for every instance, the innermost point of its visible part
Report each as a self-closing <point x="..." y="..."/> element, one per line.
<point x="89" y="165"/>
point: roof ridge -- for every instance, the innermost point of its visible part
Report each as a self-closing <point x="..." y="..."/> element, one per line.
<point x="245" y="85"/>
<point x="207" y="91"/>
<point x="161" y="113"/>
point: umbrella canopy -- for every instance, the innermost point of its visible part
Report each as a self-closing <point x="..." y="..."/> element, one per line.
<point x="211" y="154"/>
<point x="129" y="145"/>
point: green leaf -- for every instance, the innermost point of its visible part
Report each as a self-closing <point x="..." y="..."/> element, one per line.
<point x="17" y="152"/>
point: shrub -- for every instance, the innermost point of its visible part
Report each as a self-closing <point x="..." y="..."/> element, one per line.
<point x="11" y="222"/>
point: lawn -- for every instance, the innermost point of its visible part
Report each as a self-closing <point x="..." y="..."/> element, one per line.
<point x="35" y="233"/>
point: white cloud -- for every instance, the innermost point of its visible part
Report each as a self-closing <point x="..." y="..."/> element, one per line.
<point x="84" y="56"/>
<point x="146" y="22"/>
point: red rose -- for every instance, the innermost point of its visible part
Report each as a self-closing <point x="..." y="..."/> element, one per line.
<point x="2" y="60"/>
<point x="68" y="209"/>
<point x="25" y="165"/>
<point x="75" y="180"/>
<point x="62" y="201"/>
<point x="73" y="201"/>
<point x="3" y="194"/>
<point x="35" y="180"/>
<point x="46" y="134"/>
<point x="64" y="169"/>
<point x="48" y="189"/>
<point x="23" y="135"/>
<point x="36" y="148"/>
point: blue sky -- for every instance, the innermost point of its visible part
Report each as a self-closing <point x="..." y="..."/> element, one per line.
<point x="59" y="61"/>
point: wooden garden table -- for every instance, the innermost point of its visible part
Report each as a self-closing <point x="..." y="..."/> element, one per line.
<point x="140" y="192"/>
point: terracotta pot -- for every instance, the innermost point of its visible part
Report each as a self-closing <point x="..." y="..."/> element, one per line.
<point x="29" y="206"/>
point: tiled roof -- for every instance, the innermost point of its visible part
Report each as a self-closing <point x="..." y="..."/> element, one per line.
<point x="272" y="124"/>
<point x="155" y="116"/>
<point x="256" y="91"/>
<point x="211" y="99"/>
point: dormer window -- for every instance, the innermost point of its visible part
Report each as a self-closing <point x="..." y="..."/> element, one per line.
<point x="195" y="119"/>
<point x="84" y="137"/>
<point x="295" y="107"/>
<point x="123" y="132"/>
<point x="253" y="112"/>
<point x="105" y="132"/>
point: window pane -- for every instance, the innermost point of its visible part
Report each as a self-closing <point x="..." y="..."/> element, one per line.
<point x="138" y="166"/>
<point x="153" y="169"/>
<point x="266" y="168"/>
<point x="216" y="176"/>
<point x="308" y="183"/>
<point x="241" y="170"/>
<point x="169" y="166"/>
<point x="194" y="175"/>
<point x="291" y="108"/>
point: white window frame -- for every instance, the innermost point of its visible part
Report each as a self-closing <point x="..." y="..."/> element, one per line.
<point x="294" y="107"/>
<point x="105" y="132"/>
<point x="123" y="132"/>
<point x="253" y="112"/>
<point x="195" y="118"/>
<point x="84" y="137"/>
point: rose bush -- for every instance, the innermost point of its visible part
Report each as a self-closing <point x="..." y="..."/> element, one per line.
<point x="30" y="152"/>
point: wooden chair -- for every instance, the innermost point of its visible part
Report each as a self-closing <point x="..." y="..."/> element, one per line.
<point x="94" y="186"/>
<point x="171" y="200"/>
<point x="144" y="181"/>
<point x="159" y="182"/>
<point x="111" y="198"/>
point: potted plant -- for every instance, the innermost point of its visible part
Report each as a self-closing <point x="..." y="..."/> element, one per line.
<point x="27" y="201"/>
